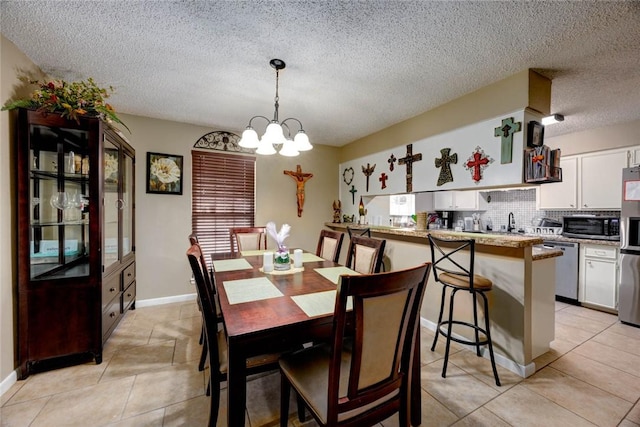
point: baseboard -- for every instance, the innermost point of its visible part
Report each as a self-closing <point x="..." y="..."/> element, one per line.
<point x="522" y="370"/>
<point x="8" y="382"/>
<point x="165" y="300"/>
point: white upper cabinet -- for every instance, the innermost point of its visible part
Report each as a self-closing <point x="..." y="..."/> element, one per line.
<point x="561" y="195"/>
<point x="601" y="180"/>
<point x="590" y="181"/>
<point x="470" y="200"/>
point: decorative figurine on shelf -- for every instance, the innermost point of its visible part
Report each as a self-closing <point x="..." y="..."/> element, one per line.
<point x="363" y="213"/>
<point x="337" y="208"/>
<point x="347" y="218"/>
<point x="300" y="179"/>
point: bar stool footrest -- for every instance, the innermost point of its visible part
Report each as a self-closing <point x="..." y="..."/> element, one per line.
<point x="444" y="325"/>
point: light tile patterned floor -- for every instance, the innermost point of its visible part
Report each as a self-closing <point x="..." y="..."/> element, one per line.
<point x="149" y="377"/>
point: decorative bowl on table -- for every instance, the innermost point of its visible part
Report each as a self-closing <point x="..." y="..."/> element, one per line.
<point x="282" y="261"/>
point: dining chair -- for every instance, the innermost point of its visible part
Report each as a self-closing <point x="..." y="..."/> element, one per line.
<point x="365" y="254"/>
<point x="247" y="239"/>
<point x="369" y="380"/>
<point x="457" y="274"/>
<point x="209" y="281"/>
<point x="329" y="245"/>
<point x="216" y="338"/>
<point x="359" y="231"/>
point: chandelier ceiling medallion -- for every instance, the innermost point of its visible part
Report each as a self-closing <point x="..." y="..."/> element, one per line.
<point x="274" y="134"/>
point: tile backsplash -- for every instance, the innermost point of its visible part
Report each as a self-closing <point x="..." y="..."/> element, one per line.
<point x="523" y="205"/>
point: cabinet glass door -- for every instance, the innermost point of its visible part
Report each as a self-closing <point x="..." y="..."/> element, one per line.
<point x="112" y="204"/>
<point x="58" y="195"/>
<point x="127" y="206"/>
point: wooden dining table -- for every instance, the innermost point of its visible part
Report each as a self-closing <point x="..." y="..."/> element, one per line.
<point x="276" y="312"/>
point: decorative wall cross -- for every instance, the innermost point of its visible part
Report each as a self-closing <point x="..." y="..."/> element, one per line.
<point x="353" y="192"/>
<point x="300" y="179"/>
<point x="408" y="160"/>
<point x="367" y="172"/>
<point x="505" y="132"/>
<point x="383" y="179"/>
<point x="477" y="163"/>
<point x="391" y="161"/>
<point x="444" y="163"/>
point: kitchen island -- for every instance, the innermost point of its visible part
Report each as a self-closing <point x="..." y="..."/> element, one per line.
<point x="522" y="300"/>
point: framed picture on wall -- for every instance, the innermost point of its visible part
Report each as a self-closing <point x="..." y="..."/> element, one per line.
<point x="164" y="173"/>
<point x="535" y="134"/>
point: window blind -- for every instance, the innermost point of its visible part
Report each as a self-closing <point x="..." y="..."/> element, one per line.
<point x="223" y="196"/>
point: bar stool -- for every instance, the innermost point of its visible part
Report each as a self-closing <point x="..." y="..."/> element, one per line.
<point x="457" y="277"/>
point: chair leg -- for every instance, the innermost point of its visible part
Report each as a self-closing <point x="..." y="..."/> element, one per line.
<point x="285" y="390"/>
<point x="203" y="356"/>
<point x="435" y="339"/>
<point x="201" y="340"/>
<point x="489" y="342"/>
<point x="449" y="331"/>
<point x="475" y="321"/>
<point x="215" y="402"/>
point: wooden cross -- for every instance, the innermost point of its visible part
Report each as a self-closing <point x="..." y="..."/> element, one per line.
<point x="408" y="160"/>
<point x="353" y="192"/>
<point x="444" y="163"/>
<point x="383" y="179"/>
<point x="391" y="161"/>
<point x="367" y="172"/>
<point x="505" y="132"/>
<point x="476" y="163"/>
<point x="300" y="179"/>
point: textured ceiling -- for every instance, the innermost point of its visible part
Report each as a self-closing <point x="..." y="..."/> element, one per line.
<point x="353" y="67"/>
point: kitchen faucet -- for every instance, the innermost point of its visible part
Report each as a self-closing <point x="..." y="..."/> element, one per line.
<point x="511" y="223"/>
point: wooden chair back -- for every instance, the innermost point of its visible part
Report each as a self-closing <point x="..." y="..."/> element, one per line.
<point x="365" y="254"/>
<point x="359" y="232"/>
<point x="247" y="239"/>
<point x="329" y="245"/>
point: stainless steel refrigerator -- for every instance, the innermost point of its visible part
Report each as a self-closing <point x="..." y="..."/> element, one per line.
<point x="629" y="291"/>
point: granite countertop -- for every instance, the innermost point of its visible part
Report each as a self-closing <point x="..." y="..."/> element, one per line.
<point x="510" y="240"/>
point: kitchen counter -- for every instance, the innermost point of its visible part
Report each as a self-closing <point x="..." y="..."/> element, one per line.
<point x="522" y="300"/>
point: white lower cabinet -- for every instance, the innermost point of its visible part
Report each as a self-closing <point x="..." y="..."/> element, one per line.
<point x="599" y="276"/>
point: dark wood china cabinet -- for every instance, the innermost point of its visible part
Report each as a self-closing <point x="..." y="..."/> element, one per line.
<point x="75" y="237"/>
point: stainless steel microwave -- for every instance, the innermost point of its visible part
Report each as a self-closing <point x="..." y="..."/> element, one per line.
<point x="591" y="227"/>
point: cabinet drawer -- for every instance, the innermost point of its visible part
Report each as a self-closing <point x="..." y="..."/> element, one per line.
<point x="128" y="296"/>
<point x="110" y="316"/>
<point x="110" y="289"/>
<point x="600" y="252"/>
<point x="128" y="275"/>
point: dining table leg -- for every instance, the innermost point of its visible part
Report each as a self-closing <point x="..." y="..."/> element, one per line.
<point x="236" y="387"/>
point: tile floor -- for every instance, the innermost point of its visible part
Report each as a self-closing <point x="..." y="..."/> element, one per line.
<point x="149" y="377"/>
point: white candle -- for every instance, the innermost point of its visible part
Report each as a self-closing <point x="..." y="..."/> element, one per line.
<point x="267" y="262"/>
<point x="297" y="258"/>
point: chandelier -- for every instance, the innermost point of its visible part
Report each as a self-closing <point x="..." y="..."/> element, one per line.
<point x="274" y="134"/>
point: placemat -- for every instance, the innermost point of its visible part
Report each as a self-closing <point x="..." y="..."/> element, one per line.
<point x="231" y="264"/>
<point x="246" y="290"/>
<point x="319" y="303"/>
<point x="333" y="273"/>
<point x="309" y="257"/>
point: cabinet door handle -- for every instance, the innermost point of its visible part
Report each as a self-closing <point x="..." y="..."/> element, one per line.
<point x="585" y="205"/>
<point x="600" y="252"/>
<point x="112" y="314"/>
<point x="129" y="295"/>
<point x="112" y="290"/>
<point x="571" y="205"/>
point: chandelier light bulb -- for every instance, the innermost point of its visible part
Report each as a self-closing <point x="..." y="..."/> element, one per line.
<point x="249" y="138"/>
<point x="302" y="141"/>
<point x="289" y="148"/>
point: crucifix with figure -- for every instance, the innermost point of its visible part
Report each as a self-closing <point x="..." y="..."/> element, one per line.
<point x="301" y="178"/>
<point x="505" y="131"/>
<point x="408" y="161"/>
